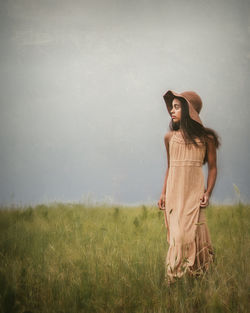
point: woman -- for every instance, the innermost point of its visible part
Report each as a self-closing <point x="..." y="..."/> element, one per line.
<point x="189" y="145"/>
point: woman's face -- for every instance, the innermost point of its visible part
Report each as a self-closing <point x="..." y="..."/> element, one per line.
<point x="176" y="110"/>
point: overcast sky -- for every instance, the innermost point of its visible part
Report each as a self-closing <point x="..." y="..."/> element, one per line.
<point x="82" y="114"/>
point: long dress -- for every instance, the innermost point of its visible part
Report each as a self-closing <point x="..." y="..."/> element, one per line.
<point x="190" y="249"/>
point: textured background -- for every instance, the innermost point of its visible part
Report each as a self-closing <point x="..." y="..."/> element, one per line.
<point x="82" y="113"/>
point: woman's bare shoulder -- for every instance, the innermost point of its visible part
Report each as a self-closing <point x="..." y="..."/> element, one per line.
<point x="209" y="139"/>
<point x="168" y="136"/>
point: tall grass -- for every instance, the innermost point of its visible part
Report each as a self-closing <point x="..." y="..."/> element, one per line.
<point x="71" y="258"/>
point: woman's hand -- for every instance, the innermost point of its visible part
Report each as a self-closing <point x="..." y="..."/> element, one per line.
<point x="161" y="202"/>
<point x="204" y="200"/>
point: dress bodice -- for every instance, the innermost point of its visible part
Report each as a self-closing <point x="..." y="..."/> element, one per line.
<point x="182" y="154"/>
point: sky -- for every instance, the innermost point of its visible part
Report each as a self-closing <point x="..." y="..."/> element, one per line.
<point x="81" y="93"/>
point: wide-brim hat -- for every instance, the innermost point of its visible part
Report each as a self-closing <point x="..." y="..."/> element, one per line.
<point x="193" y="99"/>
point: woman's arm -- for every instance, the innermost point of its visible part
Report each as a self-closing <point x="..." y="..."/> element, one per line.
<point x="212" y="172"/>
<point x="165" y="183"/>
<point x="166" y="141"/>
<point x="161" y="202"/>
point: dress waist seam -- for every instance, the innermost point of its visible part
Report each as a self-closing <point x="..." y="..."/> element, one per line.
<point x="185" y="163"/>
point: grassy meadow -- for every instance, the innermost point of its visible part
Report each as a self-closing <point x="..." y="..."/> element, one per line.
<point x="73" y="258"/>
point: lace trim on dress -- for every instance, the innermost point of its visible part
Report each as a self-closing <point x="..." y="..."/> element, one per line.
<point x="177" y="136"/>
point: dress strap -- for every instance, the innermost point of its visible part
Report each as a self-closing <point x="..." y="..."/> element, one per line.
<point x="178" y="137"/>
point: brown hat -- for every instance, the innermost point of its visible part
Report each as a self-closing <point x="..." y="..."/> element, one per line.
<point x="193" y="99"/>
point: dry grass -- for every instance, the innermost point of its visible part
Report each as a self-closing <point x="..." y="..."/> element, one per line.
<point x="71" y="258"/>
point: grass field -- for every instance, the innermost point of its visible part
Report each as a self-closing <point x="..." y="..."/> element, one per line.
<point x="72" y="258"/>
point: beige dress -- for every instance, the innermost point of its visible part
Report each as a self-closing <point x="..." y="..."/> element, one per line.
<point x="190" y="249"/>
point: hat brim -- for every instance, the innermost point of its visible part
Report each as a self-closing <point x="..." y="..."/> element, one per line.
<point x="170" y="95"/>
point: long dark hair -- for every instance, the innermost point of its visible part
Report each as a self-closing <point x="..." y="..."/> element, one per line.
<point x="192" y="129"/>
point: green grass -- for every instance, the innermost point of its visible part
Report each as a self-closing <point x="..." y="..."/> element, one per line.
<point x="71" y="258"/>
